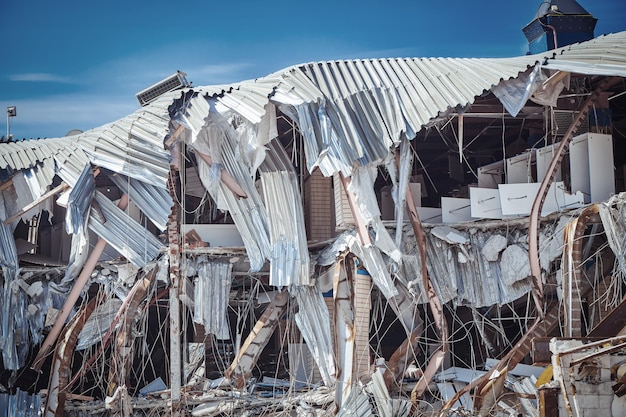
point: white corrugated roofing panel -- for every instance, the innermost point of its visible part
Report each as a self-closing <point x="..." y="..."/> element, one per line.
<point x="604" y="55"/>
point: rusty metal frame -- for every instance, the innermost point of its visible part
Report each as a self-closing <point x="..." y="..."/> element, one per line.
<point x="434" y="303"/>
<point x="73" y="296"/>
<point x="535" y="212"/>
<point x="62" y="361"/>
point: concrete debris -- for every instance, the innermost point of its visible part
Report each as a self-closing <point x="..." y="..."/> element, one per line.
<point x="514" y="264"/>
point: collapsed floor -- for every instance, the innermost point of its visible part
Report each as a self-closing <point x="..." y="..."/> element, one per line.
<point x="282" y="248"/>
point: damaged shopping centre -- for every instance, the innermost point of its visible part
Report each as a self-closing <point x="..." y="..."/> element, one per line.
<point x="362" y="237"/>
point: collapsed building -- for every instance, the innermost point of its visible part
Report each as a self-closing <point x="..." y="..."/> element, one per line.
<point x="362" y="237"/>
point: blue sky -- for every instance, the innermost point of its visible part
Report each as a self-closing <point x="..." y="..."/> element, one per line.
<point x="78" y="64"/>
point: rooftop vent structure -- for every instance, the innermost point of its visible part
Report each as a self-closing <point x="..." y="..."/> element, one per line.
<point x="558" y="23"/>
<point x="175" y="81"/>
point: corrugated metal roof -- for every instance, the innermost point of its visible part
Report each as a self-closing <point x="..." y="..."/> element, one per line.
<point x="604" y="55"/>
<point x="123" y="233"/>
<point x="313" y="320"/>
<point x="212" y="289"/>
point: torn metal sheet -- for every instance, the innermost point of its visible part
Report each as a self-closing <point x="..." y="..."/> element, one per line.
<point x="155" y="202"/>
<point x="20" y="403"/>
<point x="61" y="364"/>
<point x="79" y="202"/>
<point x="289" y="263"/>
<point x="313" y="320"/>
<point x="402" y="166"/>
<point x="123" y="233"/>
<point x="211" y="295"/>
<point x="98" y="323"/>
<point x="218" y="139"/>
<point x="133" y="145"/>
<point x="514" y="93"/>
<point x="374" y="264"/>
<point x="615" y="228"/>
<point x="9" y="263"/>
<point x="365" y="105"/>
<point x="356" y="404"/>
<point x="361" y="185"/>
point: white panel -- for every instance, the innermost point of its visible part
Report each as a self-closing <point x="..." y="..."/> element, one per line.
<point x="579" y="166"/>
<point x="601" y="170"/>
<point x="519" y="168"/>
<point x="429" y="214"/>
<point x="489" y="176"/>
<point x="517" y="199"/>
<point x="544" y="157"/>
<point x="559" y="199"/>
<point x="485" y="203"/>
<point x="455" y="210"/>
<point x="225" y="235"/>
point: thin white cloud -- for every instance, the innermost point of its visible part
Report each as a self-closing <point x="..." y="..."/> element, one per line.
<point x="40" y="77"/>
<point x="54" y="116"/>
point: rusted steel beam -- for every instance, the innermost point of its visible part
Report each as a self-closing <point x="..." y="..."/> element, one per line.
<point x="241" y="368"/>
<point x="540" y="328"/>
<point x="535" y="212"/>
<point x="61" y="364"/>
<point x="121" y="312"/>
<point x="73" y="296"/>
<point x="434" y="304"/>
<point x="401" y="359"/>
<point x="119" y="373"/>
<point x="572" y="291"/>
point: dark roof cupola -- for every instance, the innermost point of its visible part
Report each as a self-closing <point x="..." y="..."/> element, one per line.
<point x="559" y="23"/>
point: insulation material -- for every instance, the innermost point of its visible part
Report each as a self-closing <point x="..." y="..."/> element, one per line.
<point x="313" y="320"/>
<point x="211" y="295"/>
<point x="493" y="247"/>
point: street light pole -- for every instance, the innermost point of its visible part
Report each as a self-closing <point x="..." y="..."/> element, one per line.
<point x="11" y="112"/>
